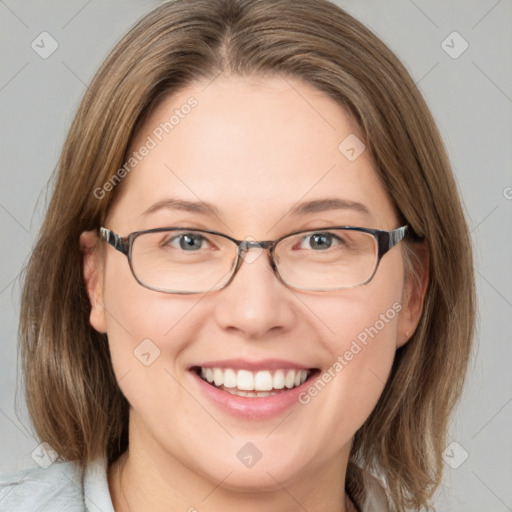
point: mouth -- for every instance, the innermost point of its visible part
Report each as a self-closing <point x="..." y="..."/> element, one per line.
<point x="254" y="384"/>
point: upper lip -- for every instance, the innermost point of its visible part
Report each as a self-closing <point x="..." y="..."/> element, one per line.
<point x="245" y="364"/>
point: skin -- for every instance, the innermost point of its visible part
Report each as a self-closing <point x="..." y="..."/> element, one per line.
<point x="253" y="147"/>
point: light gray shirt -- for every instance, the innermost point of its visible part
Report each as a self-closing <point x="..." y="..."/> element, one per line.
<point x="63" y="487"/>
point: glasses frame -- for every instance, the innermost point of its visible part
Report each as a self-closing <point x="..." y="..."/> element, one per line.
<point x="386" y="240"/>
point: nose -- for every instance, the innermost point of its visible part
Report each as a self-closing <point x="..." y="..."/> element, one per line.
<point x="256" y="302"/>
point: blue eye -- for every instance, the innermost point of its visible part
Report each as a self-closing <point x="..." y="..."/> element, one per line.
<point x="189" y="242"/>
<point x="321" y="240"/>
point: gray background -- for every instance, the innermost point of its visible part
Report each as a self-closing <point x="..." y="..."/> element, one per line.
<point x="470" y="97"/>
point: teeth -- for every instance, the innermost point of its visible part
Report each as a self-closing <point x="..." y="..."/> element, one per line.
<point x="289" y="380"/>
<point x="245" y="380"/>
<point x="218" y="377"/>
<point x="278" y="380"/>
<point x="230" y="379"/>
<point x="263" y="382"/>
<point x="253" y="394"/>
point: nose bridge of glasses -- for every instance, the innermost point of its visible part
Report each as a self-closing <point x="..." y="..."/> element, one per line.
<point x="247" y="244"/>
<point x="251" y="243"/>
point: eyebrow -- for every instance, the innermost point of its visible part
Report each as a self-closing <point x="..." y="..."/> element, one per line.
<point x="301" y="209"/>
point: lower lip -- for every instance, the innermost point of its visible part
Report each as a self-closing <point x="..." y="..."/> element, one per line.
<point x="252" y="407"/>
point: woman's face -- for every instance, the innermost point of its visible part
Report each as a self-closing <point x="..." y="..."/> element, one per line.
<point x="254" y="149"/>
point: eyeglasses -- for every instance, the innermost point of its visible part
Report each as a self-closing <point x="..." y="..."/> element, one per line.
<point x="183" y="260"/>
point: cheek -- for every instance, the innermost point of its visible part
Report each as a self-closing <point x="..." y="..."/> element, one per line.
<point x="145" y="328"/>
<point x="360" y="333"/>
<point x="147" y="332"/>
<point x="364" y="354"/>
<point x="348" y="389"/>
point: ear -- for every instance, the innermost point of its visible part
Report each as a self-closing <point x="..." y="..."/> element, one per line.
<point x="416" y="285"/>
<point x="93" y="277"/>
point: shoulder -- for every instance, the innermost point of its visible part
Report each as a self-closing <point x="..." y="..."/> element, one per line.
<point x="56" y="488"/>
<point x="376" y="497"/>
<point x="62" y="487"/>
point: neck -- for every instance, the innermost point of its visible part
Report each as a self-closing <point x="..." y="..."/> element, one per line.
<point x="145" y="478"/>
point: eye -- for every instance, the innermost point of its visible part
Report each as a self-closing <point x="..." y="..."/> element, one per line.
<point x="321" y="240"/>
<point x="190" y="242"/>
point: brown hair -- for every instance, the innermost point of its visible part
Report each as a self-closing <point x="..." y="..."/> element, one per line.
<point x="72" y="394"/>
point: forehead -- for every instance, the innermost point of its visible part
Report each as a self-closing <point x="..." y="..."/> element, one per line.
<point x="253" y="148"/>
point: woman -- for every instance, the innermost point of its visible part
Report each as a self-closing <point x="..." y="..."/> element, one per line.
<point x="253" y="289"/>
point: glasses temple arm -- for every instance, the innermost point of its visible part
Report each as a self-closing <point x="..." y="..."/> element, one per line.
<point x="114" y="240"/>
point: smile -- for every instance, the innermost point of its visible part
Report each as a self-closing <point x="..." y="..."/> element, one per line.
<point x="252" y="389"/>
<point x="254" y="384"/>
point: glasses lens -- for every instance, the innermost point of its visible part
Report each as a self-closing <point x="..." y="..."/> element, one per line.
<point x="327" y="260"/>
<point x="182" y="260"/>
